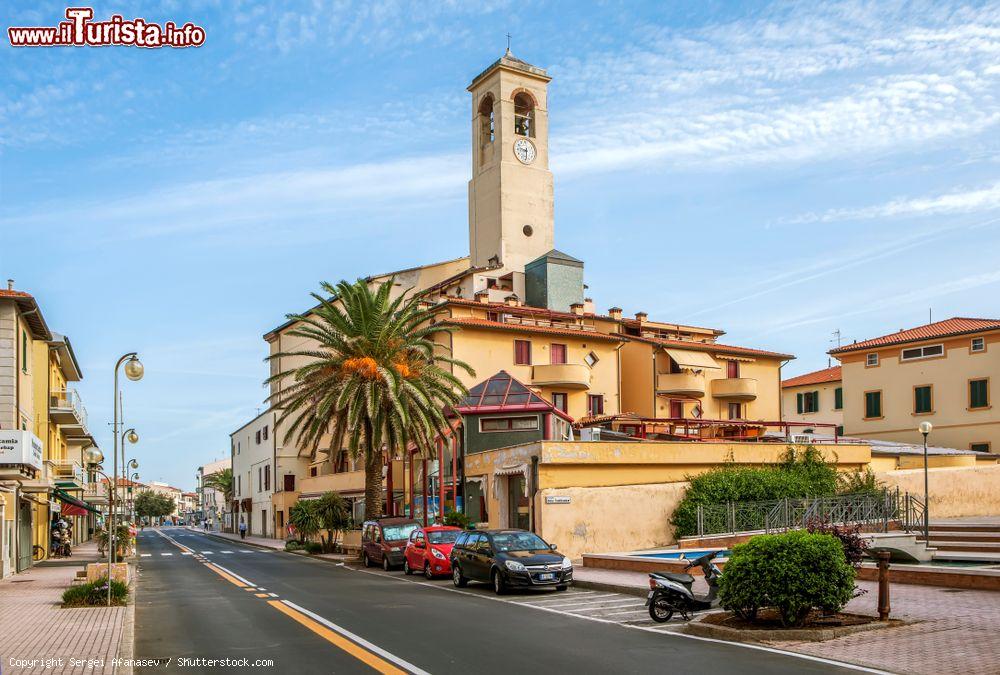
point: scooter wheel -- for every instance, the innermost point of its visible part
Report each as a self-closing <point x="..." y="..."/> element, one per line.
<point x="660" y="611"/>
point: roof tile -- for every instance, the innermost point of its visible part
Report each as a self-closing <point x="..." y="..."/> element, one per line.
<point x="938" y="329"/>
<point x="816" y="377"/>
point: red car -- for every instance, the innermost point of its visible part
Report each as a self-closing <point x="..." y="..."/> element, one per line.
<point x="429" y="550"/>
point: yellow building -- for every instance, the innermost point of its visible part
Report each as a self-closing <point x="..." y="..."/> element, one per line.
<point x="941" y="372"/>
<point x="815" y="398"/>
<point x="520" y="306"/>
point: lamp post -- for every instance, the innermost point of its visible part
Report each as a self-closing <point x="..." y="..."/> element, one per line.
<point x="133" y="464"/>
<point x="925" y="428"/>
<point x="94" y="457"/>
<point x="133" y="371"/>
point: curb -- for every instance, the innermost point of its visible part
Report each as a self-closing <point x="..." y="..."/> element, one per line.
<point x="126" y="644"/>
<point x="708" y="630"/>
<point x="611" y="588"/>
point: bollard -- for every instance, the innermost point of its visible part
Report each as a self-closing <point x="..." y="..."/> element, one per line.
<point x="883" y="584"/>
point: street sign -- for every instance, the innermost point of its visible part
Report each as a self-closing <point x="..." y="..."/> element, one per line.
<point x="558" y="499"/>
<point x="20" y="447"/>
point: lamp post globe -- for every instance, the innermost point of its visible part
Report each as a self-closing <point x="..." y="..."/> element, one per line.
<point x="133" y="464"/>
<point x="926" y="427"/>
<point x="132" y="437"/>
<point x="134" y="369"/>
<point x="94" y="455"/>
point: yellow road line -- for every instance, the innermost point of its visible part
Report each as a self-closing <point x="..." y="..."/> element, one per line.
<point x="231" y="579"/>
<point x="261" y="595"/>
<point x="363" y="655"/>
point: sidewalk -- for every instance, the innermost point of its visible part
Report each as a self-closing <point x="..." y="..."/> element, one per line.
<point x="954" y="629"/>
<point x="34" y="626"/>
<point x="266" y="542"/>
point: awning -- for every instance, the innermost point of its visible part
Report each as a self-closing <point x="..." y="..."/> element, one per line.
<point x="693" y="360"/>
<point x="73" y="506"/>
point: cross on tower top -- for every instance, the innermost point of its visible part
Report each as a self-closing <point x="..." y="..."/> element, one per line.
<point x="508" y="42"/>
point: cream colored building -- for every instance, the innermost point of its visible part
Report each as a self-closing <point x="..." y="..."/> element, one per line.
<point x="253" y="447"/>
<point x="815" y="398"/>
<point x="212" y="502"/>
<point x="943" y="372"/>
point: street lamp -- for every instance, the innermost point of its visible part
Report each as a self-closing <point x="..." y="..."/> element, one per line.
<point x="133" y="371"/>
<point x="133" y="464"/>
<point x="925" y="428"/>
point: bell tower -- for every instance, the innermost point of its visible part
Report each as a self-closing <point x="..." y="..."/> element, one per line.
<point x="510" y="194"/>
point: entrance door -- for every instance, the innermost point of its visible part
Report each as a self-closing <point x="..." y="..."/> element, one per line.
<point x="24" y="536"/>
<point x="517" y="502"/>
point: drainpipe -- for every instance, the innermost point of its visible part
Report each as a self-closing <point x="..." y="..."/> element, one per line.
<point x="781" y="400"/>
<point x="618" y="357"/>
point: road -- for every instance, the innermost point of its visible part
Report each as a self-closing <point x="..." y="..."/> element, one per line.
<point x="202" y="597"/>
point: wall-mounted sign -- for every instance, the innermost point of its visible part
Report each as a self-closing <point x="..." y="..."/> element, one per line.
<point x="20" y="447"/>
<point x="558" y="499"/>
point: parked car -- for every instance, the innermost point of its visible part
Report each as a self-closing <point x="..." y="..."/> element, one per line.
<point x="508" y="559"/>
<point x="383" y="541"/>
<point x="429" y="550"/>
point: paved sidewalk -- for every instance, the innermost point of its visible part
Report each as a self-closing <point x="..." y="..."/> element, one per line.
<point x="954" y="630"/>
<point x="278" y="544"/>
<point x="34" y="626"/>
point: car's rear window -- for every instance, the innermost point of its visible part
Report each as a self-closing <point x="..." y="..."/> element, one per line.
<point x="443" y="536"/>
<point x="398" y="532"/>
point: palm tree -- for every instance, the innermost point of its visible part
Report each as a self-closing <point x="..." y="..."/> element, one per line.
<point x="375" y="381"/>
<point x="221" y="481"/>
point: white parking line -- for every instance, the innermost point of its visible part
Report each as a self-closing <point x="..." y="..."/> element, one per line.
<point x="549" y="602"/>
<point x="244" y="550"/>
<point x="605" y="607"/>
<point x="225" y="551"/>
<point x="166" y="554"/>
<point x="145" y="555"/>
<point x="208" y="551"/>
<point x="185" y="552"/>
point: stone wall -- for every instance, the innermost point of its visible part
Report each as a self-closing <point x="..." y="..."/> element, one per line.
<point x="954" y="492"/>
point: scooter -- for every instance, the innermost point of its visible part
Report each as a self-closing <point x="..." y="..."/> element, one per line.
<point x="669" y="592"/>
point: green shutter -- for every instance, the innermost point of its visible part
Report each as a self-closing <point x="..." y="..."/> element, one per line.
<point x="816" y="401"/>
<point x="922" y="400"/>
<point x="838" y="398"/>
<point x="798" y="402"/>
<point x="873" y="404"/>
<point x="978" y="394"/>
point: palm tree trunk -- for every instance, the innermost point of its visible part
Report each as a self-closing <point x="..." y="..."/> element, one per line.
<point x="373" y="477"/>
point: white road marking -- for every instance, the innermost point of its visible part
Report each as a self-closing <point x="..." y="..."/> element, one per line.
<point x="166" y="554"/>
<point x="208" y="551"/>
<point x="225" y="551"/>
<point x="185" y="552"/>
<point x="145" y="555"/>
<point x="273" y="595"/>
<point x="235" y="575"/>
<point x="359" y="640"/>
<point x="243" y="550"/>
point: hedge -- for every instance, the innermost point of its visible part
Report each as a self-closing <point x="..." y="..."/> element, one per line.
<point x="95" y="593"/>
<point x="794" y="573"/>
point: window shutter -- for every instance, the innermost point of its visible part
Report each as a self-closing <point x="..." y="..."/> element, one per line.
<point x="798" y="402"/>
<point x="816" y="401"/>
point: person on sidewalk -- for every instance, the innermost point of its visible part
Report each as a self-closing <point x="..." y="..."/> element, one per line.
<point x="243" y="529"/>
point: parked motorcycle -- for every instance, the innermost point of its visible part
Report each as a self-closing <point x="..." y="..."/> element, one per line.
<point x="669" y="592"/>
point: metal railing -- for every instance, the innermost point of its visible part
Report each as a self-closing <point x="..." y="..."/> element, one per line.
<point x="66" y="468"/>
<point x="69" y="399"/>
<point x="870" y="508"/>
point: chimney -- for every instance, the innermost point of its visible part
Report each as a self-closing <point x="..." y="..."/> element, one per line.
<point x="641" y="316"/>
<point x="10" y="284"/>
<point x="512" y="300"/>
<point x="577" y="308"/>
<point x="615" y="313"/>
<point x="483" y="297"/>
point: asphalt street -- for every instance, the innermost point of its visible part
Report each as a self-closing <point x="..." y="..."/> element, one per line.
<point x="202" y="597"/>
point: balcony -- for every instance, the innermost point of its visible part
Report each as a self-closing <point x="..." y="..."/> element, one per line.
<point x="680" y="384"/>
<point x="735" y="388"/>
<point x="566" y="375"/>
<point x="66" y="410"/>
<point x="95" y="493"/>
<point x="67" y="474"/>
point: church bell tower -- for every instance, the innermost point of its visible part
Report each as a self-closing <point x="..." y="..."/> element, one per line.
<point x="510" y="194"/>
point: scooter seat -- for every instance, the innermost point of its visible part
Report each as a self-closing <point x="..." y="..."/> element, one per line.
<point x="680" y="578"/>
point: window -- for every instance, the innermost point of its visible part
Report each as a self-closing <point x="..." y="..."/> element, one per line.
<point x="807" y="402"/>
<point x="979" y="393"/>
<point x="265" y="432"/>
<point x="257" y="437"/>
<point x="267" y="477"/>
<point x="487" y="120"/>
<point x="840" y="430"/>
<point x="260" y="477"/>
<point x="735" y="411"/>
<point x="591" y="359"/>
<point x="524" y="115"/>
<point x="237" y="447"/>
<point x="290" y="482"/>
<point x="522" y="353"/>
<point x="871" y="360"/>
<point x="921" y="352"/>
<point x="978" y="345"/>
<point x="24" y="351"/>
<point x="508" y="423"/>
<point x="557" y="354"/>
<point x="493" y="316"/>
<point x="732" y="369"/>
<point x="595" y="404"/>
<point x="838" y="398"/>
<point x="873" y="404"/>
<point x="922" y="399"/>
<point x="559" y="401"/>
<point x="239" y="485"/>
<point x="281" y="521"/>
<point x="676" y="409"/>
<point x="979" y="447"/>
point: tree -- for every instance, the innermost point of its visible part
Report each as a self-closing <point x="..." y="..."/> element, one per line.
<point x="149" y="504"/>
<point x="304" y="516"/>
<point x="335" y="517"/>
<point x="221" y="481"/>
<point x="374" y="380"/>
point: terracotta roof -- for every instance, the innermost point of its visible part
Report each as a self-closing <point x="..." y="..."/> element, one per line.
<point x="520" y="309"/>
<point x="125" y="482"/>
<point x="711" y="347"/>
<point x="816" y="377"/>
<point x="931" y="331"/>
<point x="32" y="314"/>
<point x="483" y="323"/>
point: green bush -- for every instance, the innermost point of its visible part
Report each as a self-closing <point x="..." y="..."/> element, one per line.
<point x="95" y="593"/>
<point x="800" y="474"/>
<point x="293" y="546"/>
<point x="456" y="519"/>
<point x="859" y="482"/>
<point x="793" y="572"/>
<point x="313" y="547"/>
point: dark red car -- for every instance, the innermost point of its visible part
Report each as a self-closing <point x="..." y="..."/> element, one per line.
<point x="429" y="550"/>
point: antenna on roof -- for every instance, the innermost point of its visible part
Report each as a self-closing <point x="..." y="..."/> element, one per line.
<point x="930" y="316"/>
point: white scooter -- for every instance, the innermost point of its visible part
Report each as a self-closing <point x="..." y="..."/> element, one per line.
<point x="669" y="592"/>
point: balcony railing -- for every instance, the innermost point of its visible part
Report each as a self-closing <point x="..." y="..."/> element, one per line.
<point x="568" y="375"/>
<point x="680" y="384"/>
<point x="66" y="470"/>
<point x="66" y="408"/>
<point x="547" y="323"/>
<point x="737" y="388"/>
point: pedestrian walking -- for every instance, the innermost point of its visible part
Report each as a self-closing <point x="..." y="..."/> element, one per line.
<point x="243" y="529"/>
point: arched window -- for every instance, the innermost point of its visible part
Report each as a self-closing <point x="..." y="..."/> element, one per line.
<point x="487" y="122"/>
<point x="524" y="115"/>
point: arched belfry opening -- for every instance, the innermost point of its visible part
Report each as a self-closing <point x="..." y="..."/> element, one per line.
<point x="524" y="115"/>
<point x="487" y="124"/>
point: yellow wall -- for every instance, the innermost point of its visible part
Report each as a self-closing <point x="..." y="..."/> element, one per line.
<point x="955" y="426"/>
<point x="826" y="414"/>
<point x="954" y="492"/>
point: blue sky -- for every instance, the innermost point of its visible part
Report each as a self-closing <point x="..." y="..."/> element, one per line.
<point x="780" y="171"/>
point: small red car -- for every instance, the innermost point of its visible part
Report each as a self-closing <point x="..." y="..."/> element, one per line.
<point x="429" y="550"/>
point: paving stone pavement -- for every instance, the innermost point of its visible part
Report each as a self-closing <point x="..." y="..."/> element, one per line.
<point x="956" y="631"/>
<point x="33" y="626"/>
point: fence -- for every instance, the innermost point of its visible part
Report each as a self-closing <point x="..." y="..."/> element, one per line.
<point x="871" y="508"/>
